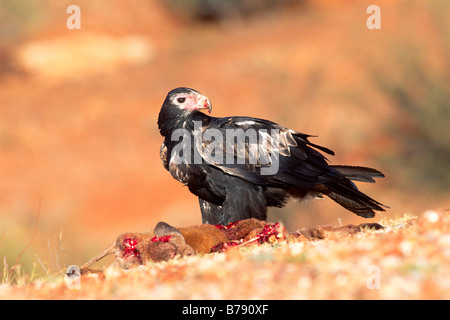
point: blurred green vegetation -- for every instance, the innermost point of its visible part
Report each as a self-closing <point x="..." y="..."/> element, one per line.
<point x="17" y="18"/>
<point x="421" y="126"/>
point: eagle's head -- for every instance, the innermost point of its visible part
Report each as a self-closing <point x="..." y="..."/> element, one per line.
<point x="187" y="99"/>
<point x="180" y="103"/>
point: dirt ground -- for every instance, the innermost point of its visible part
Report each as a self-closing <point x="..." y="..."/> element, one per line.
<point x="408" y="259"/>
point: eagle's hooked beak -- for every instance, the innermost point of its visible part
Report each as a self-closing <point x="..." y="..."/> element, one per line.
<point x="203" y="103"/>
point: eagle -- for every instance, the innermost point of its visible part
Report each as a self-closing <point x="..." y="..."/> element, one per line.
<point x="239" y="166"/>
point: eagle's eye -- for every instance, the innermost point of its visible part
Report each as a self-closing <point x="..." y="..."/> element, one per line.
<point x="181" y="100"/>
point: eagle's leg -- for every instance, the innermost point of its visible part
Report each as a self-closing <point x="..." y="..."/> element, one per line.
<point x="211" y="213"/>
<point x="242" y="201"/>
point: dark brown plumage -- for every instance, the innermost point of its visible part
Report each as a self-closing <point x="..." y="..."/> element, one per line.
<point x="231" y="187"/>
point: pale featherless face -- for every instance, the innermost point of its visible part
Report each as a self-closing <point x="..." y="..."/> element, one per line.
<point x="189" y="99"/>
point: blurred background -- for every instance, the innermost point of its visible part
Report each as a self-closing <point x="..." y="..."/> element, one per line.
<point x="79" y="142"/>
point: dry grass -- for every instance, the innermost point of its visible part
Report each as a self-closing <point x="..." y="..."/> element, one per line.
<point x="409" y="259"/>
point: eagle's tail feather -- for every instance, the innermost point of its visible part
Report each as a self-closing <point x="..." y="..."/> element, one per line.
<point x="357" y="173"/>
<point x="345" y="193"/>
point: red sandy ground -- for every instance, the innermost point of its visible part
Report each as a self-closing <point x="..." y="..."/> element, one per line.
<point x="409" y="259"/>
